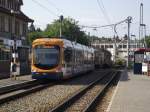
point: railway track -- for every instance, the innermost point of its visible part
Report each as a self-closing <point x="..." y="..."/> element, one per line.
<point x="85" y="99"/>
<point x="12" y="92"/>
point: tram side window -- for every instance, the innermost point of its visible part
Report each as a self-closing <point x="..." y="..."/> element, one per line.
<point x="79" y="57"/>
<point x="85" y="57"/>
<point x="68" y="54"/>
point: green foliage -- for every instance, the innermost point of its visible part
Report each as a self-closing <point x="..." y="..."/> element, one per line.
<point x="130" y="65"/>
<point x="148" y="41"/>
<point x="120" y="62"/>
<point x="70" y="31"/>
<point x="34" y="35"/>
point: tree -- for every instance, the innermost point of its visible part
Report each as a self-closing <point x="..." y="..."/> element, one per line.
<point x="38" y="33"/>
<point x="147" y="39"/>
<point x="70" y="31"/>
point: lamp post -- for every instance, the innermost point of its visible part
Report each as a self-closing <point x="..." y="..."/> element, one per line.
<point x="61" y="20"/>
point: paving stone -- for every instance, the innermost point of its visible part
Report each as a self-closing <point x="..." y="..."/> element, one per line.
<point x="133" y="94"/>
<point x="6" y="82"/>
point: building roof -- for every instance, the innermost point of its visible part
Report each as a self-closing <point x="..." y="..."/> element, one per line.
<point x="19" y="14"/>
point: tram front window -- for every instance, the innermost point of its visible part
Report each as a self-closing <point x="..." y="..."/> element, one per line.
<point x="46" y="58"/>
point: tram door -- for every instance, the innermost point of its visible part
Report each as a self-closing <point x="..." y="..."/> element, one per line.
<point x="138" y="59"/>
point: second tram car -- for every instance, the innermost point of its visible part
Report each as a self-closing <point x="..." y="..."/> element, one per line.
<point x="102" y="58"/>
<point x="55" y="58"/>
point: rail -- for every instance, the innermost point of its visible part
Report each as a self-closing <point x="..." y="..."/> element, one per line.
<point x="75" y="97"/>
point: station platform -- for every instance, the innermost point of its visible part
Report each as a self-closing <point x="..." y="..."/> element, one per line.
<point x="132" y="94"/>
<point x="9" y="81"/>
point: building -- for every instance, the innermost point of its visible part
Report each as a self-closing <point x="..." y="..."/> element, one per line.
<point x="121" y="47"/>
<point x="13" y="26"/>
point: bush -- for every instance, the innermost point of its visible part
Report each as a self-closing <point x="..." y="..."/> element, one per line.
<point x="120" y="62"/>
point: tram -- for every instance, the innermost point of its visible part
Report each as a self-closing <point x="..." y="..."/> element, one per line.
<point x="55" y="58"/>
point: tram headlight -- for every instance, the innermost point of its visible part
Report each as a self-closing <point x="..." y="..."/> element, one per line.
<point x="34" y="71"/>
<point x="59" y="69"/>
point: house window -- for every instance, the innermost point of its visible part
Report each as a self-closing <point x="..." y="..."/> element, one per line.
<point x="24" y="29"/>
<point x="17" y="28"/>
<point x="9" y="4"/>
<point x="102" y="46"/>
<point x="4" y="52"/>
<point x="10" y="25"/>
<point x="1" y="2"/>
<point x="6" y="24"/>
<point x="110" y="46"/>
<point x="124" y="46"/>
<point x="120" y="46"/>
<point x="2" y="23"/>
<point x="6" y="3"/>
<point x="106" y="46"/>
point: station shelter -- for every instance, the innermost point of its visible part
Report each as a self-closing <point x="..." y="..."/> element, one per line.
<point x="142" y="61"/>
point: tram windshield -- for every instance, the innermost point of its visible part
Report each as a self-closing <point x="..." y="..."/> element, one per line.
<point x="46" y="57"/>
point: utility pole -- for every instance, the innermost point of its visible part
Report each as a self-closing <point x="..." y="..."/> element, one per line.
<point x="61" y="20"/>
<point x="14" y="66"/>
<point x="143" y="32"/>
<point x="145" y="37"/>
<point x="128" y="40"/>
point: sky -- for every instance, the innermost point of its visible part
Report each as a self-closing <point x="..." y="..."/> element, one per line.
<point x="90" y="12"/>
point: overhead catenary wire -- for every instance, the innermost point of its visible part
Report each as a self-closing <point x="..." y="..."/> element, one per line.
<point x="105" y="14"/>
<point x="115" y="24"/>
<point x="54" y="6"/>
<point x="44" y="7"/>
<point x="103" y="10"/>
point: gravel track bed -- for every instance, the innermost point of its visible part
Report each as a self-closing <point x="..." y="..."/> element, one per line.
<point x="46" y="99"/>
<point x="81" y="104"/>
<point x="86" y="99"/>
<point x="104" y="103"/>
<point x="102" y="107"/>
